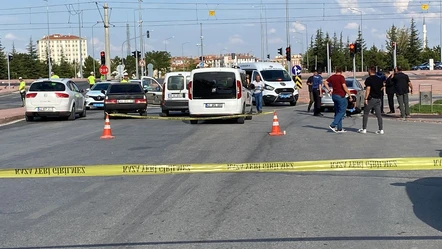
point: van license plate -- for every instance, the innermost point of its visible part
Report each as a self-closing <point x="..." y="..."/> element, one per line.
<point x="214" y="105"/>
<point x="285" y="96"/>
<point x="175" y="95"/>
<point x="45" y="109"/>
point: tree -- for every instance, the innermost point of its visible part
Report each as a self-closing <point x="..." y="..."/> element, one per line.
<point x="3" y="63"/>
<point x="161" y="60"/>
<point x="88" y="66"/>
<point x="363" y="45"/>
<point x="414" y="45"/>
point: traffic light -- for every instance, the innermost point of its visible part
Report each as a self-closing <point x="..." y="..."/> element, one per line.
<point x="268" y="56"/>
<point x="393" y="45"/>
<point x="280" y="51"/>
<point x="103" y="58"/>
<point x="288" y="54"/>
<point x="139" y="54"/>
<point x="147" y="34"/>
<point x="136" y="54"/>
<point x="352" y="49"/>
<point x="10" y="57"/>
<point x="358" y="47"/>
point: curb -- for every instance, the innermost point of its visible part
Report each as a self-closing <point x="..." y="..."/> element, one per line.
<point x="12" y="118"/>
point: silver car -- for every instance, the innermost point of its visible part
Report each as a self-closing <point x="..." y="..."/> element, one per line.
<point x="94" y="97"/>
<point x="355" y="88"/>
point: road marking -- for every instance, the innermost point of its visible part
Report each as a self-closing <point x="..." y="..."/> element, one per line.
<point x="12" y="122"/>
<point x="42" y="212"/>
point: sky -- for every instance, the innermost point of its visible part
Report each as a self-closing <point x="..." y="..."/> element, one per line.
<point x="235" y="28"/>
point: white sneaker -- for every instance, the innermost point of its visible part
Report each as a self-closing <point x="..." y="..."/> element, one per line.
<point x="363" y="131"/>
<point x="341" y="131"/>
<point x="380" y="132"/>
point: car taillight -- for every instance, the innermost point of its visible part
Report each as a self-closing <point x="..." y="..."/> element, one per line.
<point x="238" y="89"/>
<point x="164" y="91"/>
<point x="354" y="92"/>
<point x="110" y="101"/>
<point x="61" y="95"/>
<point x="31" y="95"/>
<point x="140" y="101"/>
<point x="189" y="87"/>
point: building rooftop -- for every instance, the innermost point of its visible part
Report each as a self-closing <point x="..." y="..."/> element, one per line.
<point x="61" y="37"/>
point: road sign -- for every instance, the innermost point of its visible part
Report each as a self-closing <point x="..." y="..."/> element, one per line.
<point x="150" y="69"/>
<point x="141" y="63"/>
<point x="296" y="70"/>
<point x="120" y="69"/>
<point x="104" y="70"/>
<point x="298" y="82"/>
<point x="201" y="65"/>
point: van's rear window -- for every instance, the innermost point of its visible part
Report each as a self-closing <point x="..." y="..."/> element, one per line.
<point x="175" y="82"/>
<point x="47" y="86"/>
<point x="214" y="85"/>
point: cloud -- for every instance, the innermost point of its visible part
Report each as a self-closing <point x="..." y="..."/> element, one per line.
<point x="296" y="27"/>
<point x="10" y="36"/>
<point x="351" y="25"/>
<point x="272" y="31"/>
<point x="401" y="6"/>
<point x="379" y="35"/>
<point x="345" y="4"/>
<point x="276" y="40"/>
<point x="236" y="39"/>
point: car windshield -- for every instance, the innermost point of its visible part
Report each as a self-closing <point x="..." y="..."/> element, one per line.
<point x="47" y="86"/>
<point x="275" y="75"/>
<point x="176" y="82"/>
<point x="214" y="85"/>
<point x="99" y="87"/>
<point x="125" y="88"/>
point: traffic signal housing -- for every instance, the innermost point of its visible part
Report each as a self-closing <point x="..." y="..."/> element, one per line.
<point x="136" y="54"/>
<point x="352" y="48"/>
<point x="280" y="51"/>
<point x="358" y="47"/>
<point x="393" y="45"/>
<point x="103" y="58"/>
<point x="288" y="54"/>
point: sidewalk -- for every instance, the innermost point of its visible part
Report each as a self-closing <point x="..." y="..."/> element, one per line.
<point x="8" y="115"/>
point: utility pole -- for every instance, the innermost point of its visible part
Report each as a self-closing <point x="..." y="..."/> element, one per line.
<point x="394" y="55"/>
<point x="328" y="58"/>
<point x="9" y="72"/>
<point x="107" y="39"/>
<point x="354" y="67"/>
<point x="128" y="38"/>
<point x="202" y="38"/>
<point x="80" y="39"/>
<point x="141" y="36"/>
<point x="287" y="30"/>
<point x="47" y="41"/>
<point x="262" y="33"/>
<point x="136" y="48"/>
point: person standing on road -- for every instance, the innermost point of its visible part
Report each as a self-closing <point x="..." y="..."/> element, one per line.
<point x="382" y="76"/>
<point x="22" y="89"/>
<point x="125" y="78"/>
<point x="258" y="86"/>
<point x="317" y="93"/>
<point x="310" y="83"/>
<point x="373" y="94"/>
<point x="389" y="90"/>
<point x="340" y="101"/>
<point x="91" y="80"/>
<point x="403" y="86"/>
<point x="54" y="76"/>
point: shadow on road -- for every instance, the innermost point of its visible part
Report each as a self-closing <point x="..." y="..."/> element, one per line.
<point x="426" y="196"/>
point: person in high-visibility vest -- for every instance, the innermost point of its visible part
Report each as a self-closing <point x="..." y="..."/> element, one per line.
<point x="22" y="89"/>
<point x="125" y="78"/>
<point x="54" y="76"/>
<point x="91" y="80"/>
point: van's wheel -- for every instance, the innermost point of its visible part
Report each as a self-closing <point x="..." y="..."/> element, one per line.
<point x="164" y="113"/>
<point x="250" y="116"/>
<point x="72" y="114"/>
<point x="83" y="113"/>
<point x="240" y="120"/>
<point x="293" y="103"/>
<point x="266" y="103"/>
<point x="194" y="121"/>
<point x="29" y="118"/>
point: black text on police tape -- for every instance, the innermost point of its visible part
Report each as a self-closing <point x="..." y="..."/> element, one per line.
<point x="52" y="171"/>
<point x="363" y="164"/>
<point x="156" y="168"/>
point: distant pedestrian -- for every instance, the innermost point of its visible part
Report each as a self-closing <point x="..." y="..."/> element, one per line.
<point x="257" y="85"/>
<point x="381" y="75"/>
<point x="310" y="83"/>
<point x="352" y="109"/>
<point x="373" y="94"/>
<point x="125" y="78"/>
<point x="317" y="93"/>
<point x="54" y="76"/>
<point x="403" y="86"/>
<point x="389" y="90"/>
<point x="91" y="80"/>
<point x="340" y="90"/>
<point x="22" y="89"/>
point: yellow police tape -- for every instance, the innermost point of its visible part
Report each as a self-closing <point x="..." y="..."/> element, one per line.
<point x="394" y="164"/>
<point x="187" y="118"/>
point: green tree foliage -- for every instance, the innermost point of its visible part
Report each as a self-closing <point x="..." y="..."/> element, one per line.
<point x="161" y="60"/>
<point x="414" y="45"/>
<point x="88" y="67"/>
<point x="3" y="63"/>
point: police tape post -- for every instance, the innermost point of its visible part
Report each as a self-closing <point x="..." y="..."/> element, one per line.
<point x="388" y="164"/>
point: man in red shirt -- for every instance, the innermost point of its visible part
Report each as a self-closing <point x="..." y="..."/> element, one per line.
<point x="340" y="101"/>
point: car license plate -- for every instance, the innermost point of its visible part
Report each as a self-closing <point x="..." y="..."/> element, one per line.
<point x="125" y="101"/>
<point x="99" y="105"/>
<point x="285" y="95"/>
<point x="214" y="105"/>
<point x="175" y="95"/>
<point x="45" y="109"/>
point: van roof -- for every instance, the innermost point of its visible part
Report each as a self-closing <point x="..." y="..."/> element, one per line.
<point x="261" y="65"/>
<point x="216" y="69"/>
<point x="177" y="73"/>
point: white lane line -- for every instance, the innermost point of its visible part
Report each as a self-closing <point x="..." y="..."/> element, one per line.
<point x="12" y="122"/>
<point x="92" y="187"/>
<point x="42" y="212"/>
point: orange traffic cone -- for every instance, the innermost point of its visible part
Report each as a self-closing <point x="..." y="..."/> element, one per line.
<point x="107" y="132"/>
<point x="276" y="131"/>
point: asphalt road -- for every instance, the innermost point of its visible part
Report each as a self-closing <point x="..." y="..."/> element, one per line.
<point x="246" y="210"/>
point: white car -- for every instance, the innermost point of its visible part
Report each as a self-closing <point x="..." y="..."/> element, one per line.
<point x="219" y="92"/>
<point x="94" y="97"/>
<point x="54" y="98"/>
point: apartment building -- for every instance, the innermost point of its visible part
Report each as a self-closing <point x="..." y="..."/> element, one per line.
<point x="62" y="45"/>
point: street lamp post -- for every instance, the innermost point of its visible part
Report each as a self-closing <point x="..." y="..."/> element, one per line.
<point x="93" y="44"/>
<point x="165" y="42"/>
<point x="47" y="40"/>
<point x="362" y="48"/>
<point x="306" y="43"/>
<point x="182" y="51"/>
<point x="122" y="46"/>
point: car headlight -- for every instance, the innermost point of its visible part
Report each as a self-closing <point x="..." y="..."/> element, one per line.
<point x="267" y="87"/>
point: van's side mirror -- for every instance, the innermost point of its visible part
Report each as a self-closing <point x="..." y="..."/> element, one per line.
<point x="82" y="90"/>
<point x="103" y="91"/>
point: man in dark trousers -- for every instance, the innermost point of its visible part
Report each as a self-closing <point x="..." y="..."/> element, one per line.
<point x="389" y="90"/>
<point x="403" y="86"/>
<point x="317" y="93"/>
<point x="310" y="91"/>
<point x="373" y="94"/>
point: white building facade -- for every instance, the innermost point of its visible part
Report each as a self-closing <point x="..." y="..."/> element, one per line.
<point x="67" y="46"/>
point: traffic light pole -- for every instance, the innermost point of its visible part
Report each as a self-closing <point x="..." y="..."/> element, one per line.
<point x="394" y="56"/>
<point x="9" y="73"/>
<point x="354" y="67"/>
<point x="107" y="40"/>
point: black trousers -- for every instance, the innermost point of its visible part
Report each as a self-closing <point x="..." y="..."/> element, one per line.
<point x="317" y="99"/>
<point x="391" y="102"/>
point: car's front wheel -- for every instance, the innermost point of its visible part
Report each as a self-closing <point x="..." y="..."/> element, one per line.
<point x="72" y="114"/>
<point x="83" y="113"/>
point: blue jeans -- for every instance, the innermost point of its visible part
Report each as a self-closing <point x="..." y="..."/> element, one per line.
<point x="340" y="109"/>
<point x="258" y="101"/>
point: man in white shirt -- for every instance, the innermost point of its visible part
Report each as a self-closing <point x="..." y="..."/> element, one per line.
<point x="258" y="87"/>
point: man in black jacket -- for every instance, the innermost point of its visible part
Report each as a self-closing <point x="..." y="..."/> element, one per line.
<point x="389" y="89"/>
<point x="403" y="86"/>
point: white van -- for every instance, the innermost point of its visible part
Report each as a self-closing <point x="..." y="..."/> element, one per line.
<point x="219" y="92"/>
<point x="278" y="85"/>
<point x="175" y="92"/>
